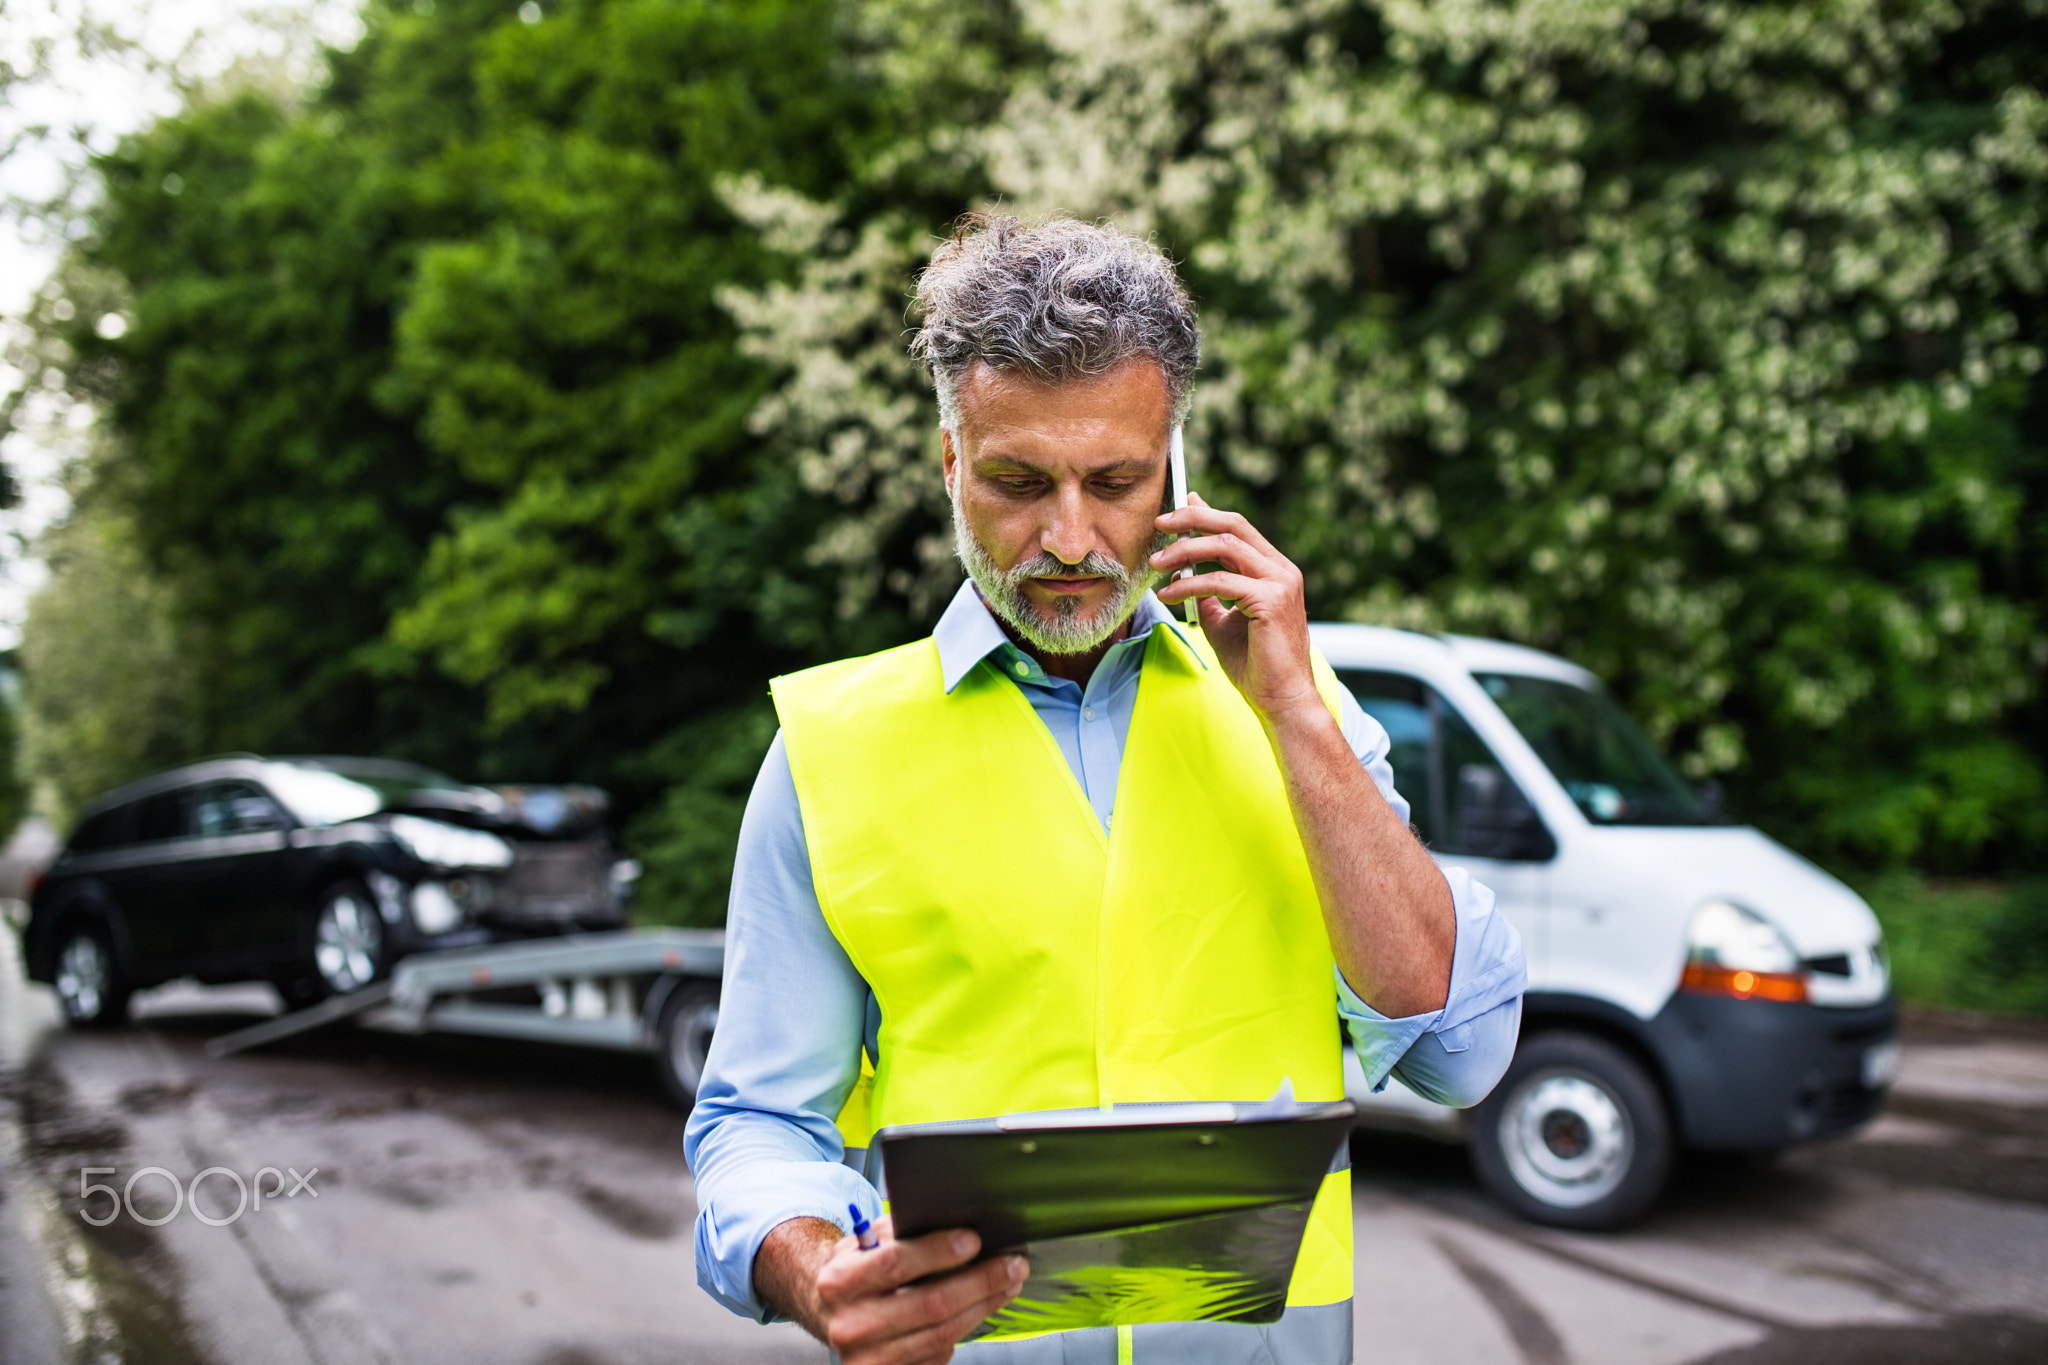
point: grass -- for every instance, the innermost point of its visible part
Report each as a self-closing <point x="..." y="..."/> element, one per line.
<point x="1965" y="945"/>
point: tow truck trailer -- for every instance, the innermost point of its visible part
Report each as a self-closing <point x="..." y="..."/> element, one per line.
<point x="651" y="991"/>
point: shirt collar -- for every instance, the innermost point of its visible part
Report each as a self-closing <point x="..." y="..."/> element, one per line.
<point x="967" y="633"/>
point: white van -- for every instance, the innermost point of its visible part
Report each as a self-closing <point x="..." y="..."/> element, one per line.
<point x="1691" y="983"/>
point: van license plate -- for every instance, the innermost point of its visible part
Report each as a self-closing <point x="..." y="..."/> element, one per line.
<point x="1880" y="1066"/>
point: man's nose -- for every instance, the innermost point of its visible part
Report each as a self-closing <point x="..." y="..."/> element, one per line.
<point x="1071" y="535"/>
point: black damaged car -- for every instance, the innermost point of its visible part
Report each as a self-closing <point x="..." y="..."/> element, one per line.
<point x="315" y="874"/>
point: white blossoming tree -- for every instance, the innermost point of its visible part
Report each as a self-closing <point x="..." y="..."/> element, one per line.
<point x="1700" y="342"/>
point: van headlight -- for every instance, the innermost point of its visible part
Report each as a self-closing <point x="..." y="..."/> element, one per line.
<point x="1730" y="951"/>
<point x="444" y="845"/>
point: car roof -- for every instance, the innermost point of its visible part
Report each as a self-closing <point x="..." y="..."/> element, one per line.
<point x="349" y="765"/>
<point x="1356" y="646"/>
<point x="205" y="770"/>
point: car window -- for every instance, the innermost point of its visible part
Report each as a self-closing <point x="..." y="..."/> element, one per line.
<point x="316" y="796"/>
<point x="162" y="817"/>
<point x="233" y="808"/>
<point x="1461" y="799"/>
<point x="103" y="829"/>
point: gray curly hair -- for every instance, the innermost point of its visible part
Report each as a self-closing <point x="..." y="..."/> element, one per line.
<point x="1055" y="298"/>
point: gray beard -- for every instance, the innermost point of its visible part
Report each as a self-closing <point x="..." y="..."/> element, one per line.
<point x="1063" y="630"/>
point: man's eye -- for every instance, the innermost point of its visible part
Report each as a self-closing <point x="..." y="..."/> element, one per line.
<point x="1019" y="485"/>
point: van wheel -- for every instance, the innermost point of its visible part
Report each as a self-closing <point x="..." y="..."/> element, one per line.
<point x="89" y="986"/>
<point x="683" y="1039"/>
<point x="1574" y="1136"/>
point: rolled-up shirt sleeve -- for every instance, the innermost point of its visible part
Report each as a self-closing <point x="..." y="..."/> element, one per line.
<point x="762" y="1142"/>
<point x="1456" y="1054"/>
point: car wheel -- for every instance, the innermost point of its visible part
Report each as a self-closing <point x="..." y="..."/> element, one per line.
<point x="683" y="1039"/>
<point x="348" y="940"/>
<point x="89" y="986"/>
<point x="1574" y="1136"/>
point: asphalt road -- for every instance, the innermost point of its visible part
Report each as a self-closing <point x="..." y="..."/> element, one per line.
<point x="458" y="1201"/>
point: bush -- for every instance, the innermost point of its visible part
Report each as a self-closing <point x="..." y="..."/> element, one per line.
<point x="1970" y="945"/>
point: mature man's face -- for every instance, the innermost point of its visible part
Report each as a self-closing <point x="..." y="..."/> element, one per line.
<point x="1055" y="487"/>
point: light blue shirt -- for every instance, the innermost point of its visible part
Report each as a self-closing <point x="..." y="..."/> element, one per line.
<point x="793" y="1014"/>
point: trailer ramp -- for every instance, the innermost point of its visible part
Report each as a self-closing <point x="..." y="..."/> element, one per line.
<point x="328" y="1011"/>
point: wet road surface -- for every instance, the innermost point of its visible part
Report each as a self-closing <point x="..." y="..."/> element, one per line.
<point x="453" y="1200"/>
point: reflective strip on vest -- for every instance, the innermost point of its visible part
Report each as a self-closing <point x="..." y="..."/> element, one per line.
<point x="1320" y="1335"/>
<point x="1021" y="959"/>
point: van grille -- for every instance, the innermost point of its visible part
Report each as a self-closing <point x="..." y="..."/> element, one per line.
<point x="1847" y="1104"/>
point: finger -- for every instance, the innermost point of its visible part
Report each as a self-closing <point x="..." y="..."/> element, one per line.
<point x="1253" y="595"/>
<point x="937" y="1251"/>
<point x="852" y="1274"/>
<point x="1198" y="518"/>
<point x="1226" y="549"/>
<point x="921" y="1305"/>
<point x="937" y="1340"/>
<point x="1216" y="617"/>
<point x="918" y="1307"/>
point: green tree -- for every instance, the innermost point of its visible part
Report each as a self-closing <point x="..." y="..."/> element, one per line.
<point x="108" y="683"/>
<point x="638" y="552"/>
<point x="264" y="248"/>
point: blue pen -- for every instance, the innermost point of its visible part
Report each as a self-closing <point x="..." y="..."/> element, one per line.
<point x="863" y="1232"/>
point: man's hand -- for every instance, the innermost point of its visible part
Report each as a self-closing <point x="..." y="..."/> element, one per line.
<point x="1262" y="642"/>
<point x="862" y="1303"/>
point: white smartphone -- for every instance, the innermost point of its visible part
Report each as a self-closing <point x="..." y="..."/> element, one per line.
<point x="1177" y="474"/>
<point x="1177" y="469"/>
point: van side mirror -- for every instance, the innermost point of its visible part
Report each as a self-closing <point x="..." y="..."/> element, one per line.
<point x="1496" y="821"/>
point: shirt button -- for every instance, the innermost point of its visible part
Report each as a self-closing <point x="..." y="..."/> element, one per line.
<point x="1087" y="713"/>
<point x="1023" y="669"/>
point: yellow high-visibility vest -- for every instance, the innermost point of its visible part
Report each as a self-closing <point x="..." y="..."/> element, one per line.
<point x="1021" y="959"/>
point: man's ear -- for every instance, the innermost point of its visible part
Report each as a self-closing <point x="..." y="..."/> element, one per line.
<point x="949" y="461"/>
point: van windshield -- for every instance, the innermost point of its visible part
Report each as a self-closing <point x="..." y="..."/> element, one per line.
<point x="1604" y="762"/>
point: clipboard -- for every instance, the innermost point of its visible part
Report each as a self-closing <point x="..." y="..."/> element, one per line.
<point x="1146" y="1213"/>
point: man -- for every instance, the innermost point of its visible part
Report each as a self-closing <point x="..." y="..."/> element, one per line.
<point x="1066" y="853"/>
